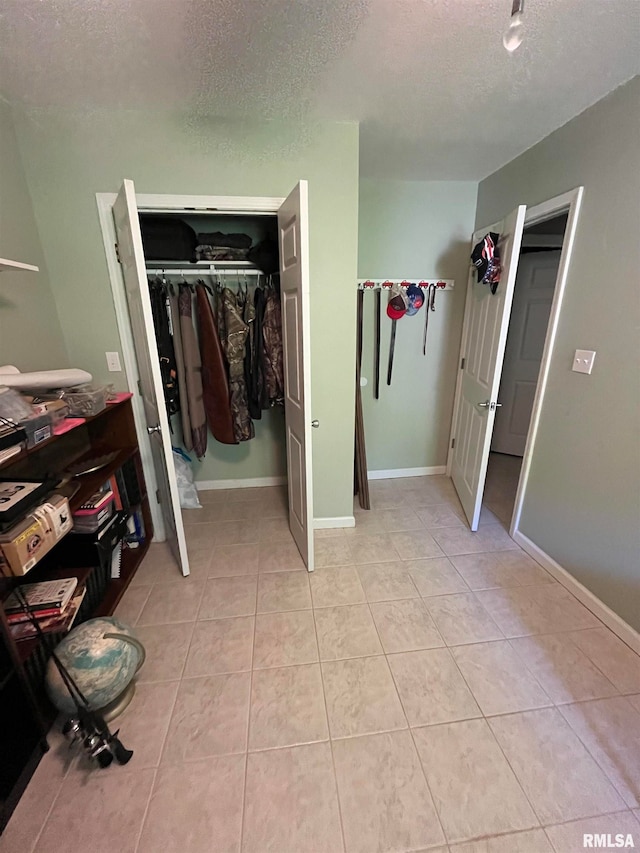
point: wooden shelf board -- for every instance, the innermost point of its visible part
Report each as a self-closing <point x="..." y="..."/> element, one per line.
<point x="37" y="447"/>
<point x="6" y="264"/>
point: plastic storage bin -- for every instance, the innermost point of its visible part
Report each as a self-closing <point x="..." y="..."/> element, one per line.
<point x="85" y="401"/>
<point x="38" y="428"/>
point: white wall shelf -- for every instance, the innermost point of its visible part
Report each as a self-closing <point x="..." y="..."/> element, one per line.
<point x="6" y="264"/>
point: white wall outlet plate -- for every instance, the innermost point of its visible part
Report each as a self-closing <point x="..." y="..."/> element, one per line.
<point x="583" y="361"/>
<point x="113" y="362"/>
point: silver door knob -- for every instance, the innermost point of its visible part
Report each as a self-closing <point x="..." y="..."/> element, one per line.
<point x="315" y="424"/>
<point x="484" y="405"/>
<point x="153" y="429"/>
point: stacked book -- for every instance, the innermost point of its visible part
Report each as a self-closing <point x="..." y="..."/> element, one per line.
<point x="94" y="511"/>
<point x="12" y="439"/>
<point x="54" y="604"/>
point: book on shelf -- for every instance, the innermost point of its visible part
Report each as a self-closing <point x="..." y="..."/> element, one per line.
<point x="25" y="616"/>
<point x="63" y="621"/>
<point x="46" y="595"/>
<point x="113" y="485"/>
<point x="95" y="503"/>
<point x="122" y="489"/>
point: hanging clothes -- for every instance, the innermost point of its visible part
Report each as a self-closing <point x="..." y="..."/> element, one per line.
<point x="193" y="375"/>
<point x="258" y="384"/>
<point x="253" y="396"/>
<point x="164" y="344"/>
<point x="185" y="421"/>
<point x="236" y="333"/>
<point x="214" y="374"/>
<point x="272" y="349"/>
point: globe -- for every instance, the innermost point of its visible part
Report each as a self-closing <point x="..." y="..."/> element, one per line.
<point x="102" y="656"/>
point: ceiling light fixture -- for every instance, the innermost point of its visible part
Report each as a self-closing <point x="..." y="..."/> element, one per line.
<point x="512" y="39"/>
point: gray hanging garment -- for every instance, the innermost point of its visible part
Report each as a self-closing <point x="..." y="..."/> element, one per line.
<point x="182" y="379"/>
<point x="236" y="331"/>
<point x="193" y="374"/>
<point x="272" y="349"/>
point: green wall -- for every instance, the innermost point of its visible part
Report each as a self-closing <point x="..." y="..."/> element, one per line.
<point x="417" y="229"/>
<point x="71" y="156"/>
<point x="583" y="501"/>
<point x="30" y="333"/>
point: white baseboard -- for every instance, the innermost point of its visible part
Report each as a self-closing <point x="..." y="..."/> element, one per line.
<point x="617" y="624"/>
<point x="340" y="521"/>
<point x="393" y="473"/>
<point x="256" y="482"/>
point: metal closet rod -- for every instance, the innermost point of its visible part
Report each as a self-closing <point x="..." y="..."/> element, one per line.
<point x="387" y="283"/>
<point x="201" y="273"/>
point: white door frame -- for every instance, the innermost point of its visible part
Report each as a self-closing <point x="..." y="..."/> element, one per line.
<point x="569" y="203"/>
<point x="168" y="203"/>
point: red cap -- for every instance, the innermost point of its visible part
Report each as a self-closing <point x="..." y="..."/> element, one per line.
<point x="396" y="308"/>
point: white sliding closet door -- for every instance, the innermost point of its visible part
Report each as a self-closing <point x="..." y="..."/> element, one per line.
<point x="125" y="214"/>
<point x="486" y="324"/>
<point x="293" y="236"/>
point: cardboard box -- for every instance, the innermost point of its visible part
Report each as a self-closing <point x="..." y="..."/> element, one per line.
<point x="33" y="537"/>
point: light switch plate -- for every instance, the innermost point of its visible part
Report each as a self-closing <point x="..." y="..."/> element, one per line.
<point x="113" y="362"/>
<point x="583" y="361"/>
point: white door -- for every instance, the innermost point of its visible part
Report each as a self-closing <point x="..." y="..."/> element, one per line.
<point x="532" y="300"/>
<point x="484" y="338"/>
<point x="125" y="215"/>
<point x="293" y="233"/>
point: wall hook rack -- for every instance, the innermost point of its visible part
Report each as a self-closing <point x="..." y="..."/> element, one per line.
<point x="387" y="283"/>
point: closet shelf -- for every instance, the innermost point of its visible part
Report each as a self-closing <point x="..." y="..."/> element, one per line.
<point x="6" y="264"/>
<point x="199" y="265"/>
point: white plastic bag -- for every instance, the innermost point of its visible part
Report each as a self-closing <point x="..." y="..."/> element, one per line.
<point x="184" y="476"/>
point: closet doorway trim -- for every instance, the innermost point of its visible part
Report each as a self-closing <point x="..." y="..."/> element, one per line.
<point x="169" y="203"/>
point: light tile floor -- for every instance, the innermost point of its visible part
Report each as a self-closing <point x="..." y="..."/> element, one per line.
<point x="425" y="689"/>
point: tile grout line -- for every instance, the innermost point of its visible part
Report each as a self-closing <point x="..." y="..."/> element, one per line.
<point x="326" y="712"/>
<point x="179" y="680"/>
<point x="49" y="811"/>
<point x="605" y="772"/>
<point x="148" y="805"/>
<point x="246" y="753"/>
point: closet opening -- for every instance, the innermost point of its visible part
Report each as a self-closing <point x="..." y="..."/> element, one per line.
<point x="232" y="259"/>
<point x="535" y="285"/>
<point x="215" y="290"/>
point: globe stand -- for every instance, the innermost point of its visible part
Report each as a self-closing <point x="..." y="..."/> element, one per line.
<point x="119" y="704"/>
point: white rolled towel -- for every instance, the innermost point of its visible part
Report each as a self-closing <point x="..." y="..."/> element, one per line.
<point x="41" y="380"/>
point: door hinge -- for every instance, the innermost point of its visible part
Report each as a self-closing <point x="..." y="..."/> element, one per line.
<point x="158" y="495"/>
<point x="117" y="248"/>
<point x="462" y="363"/>
<point x="453" y="443"/>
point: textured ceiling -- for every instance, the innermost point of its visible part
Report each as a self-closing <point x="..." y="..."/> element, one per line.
<point x="436" y="94"/>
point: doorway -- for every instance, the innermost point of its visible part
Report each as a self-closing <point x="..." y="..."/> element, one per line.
<point x="536" y="277"/>
<point x="484" y="338"/>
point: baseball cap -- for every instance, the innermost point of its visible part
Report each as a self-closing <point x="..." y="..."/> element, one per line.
<point x="415" y="297"/>
<point x="486" y="259"/>
<point x="398" y="303"/>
